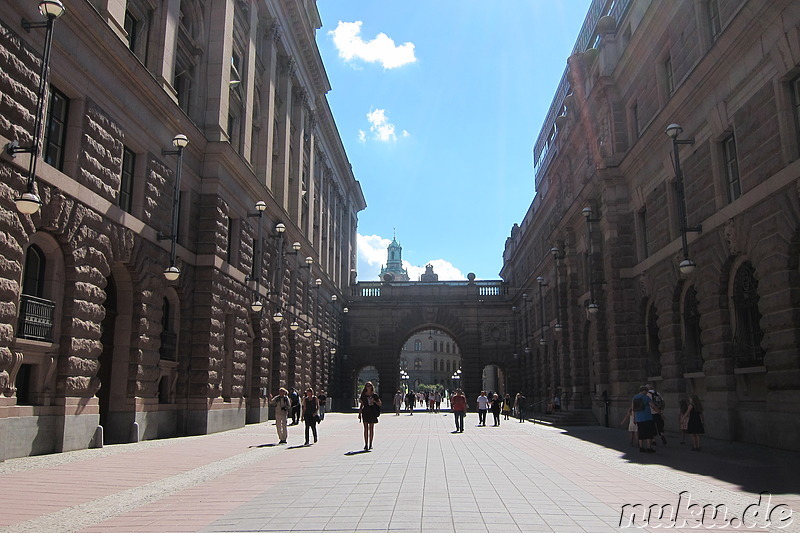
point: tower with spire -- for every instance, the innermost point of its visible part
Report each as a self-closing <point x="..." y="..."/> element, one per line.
<point x="394" y="271"/>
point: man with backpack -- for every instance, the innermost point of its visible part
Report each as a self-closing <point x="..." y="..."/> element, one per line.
<point x="657" y="405"/>
<point x="644" y="419"/>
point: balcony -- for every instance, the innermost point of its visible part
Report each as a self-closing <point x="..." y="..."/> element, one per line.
<point x="35" y="318"/>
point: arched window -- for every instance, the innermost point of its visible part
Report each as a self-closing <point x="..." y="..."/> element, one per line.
<point x="692" y="349"/>
<point x="404" y="364"/>
<point x="435" y="365"/>
<point x="33" y="277"/>
<point x="747" y="333"/>
<point x="417" y="345"/>
<point x="447" y="347"/>
<point x="417" y="364"/>
<point x="448" y="366"/>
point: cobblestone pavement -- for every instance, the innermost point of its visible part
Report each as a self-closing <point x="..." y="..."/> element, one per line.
<point x="419" y="477"/>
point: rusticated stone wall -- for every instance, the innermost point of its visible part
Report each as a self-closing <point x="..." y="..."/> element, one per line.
<point x="100" y="162"/>
<point x="19" y="80"/>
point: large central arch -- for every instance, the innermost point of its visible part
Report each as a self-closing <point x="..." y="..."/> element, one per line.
<point x="382" y="315"/>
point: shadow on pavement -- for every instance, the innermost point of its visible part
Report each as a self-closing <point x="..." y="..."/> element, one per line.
<point x="752" y="467"/>
<point x="357" y="452"/>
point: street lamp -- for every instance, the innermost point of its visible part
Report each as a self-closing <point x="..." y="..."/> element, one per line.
<point x="686" y="266"/>
<point x="260" y="207"/>
<point x="180" y="141"/>
<point x="29" y="202"/>
<point x="593" y="308"/>
<point x="542" y="283"/>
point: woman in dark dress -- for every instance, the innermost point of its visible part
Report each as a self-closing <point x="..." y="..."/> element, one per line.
<point x="694" y="425"/>
<point x="368" y="412"/>
<point x="496" y="405"/>
<point x="310" y="413"/>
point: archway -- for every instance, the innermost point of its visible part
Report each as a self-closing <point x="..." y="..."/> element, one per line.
<point x="367" y="373"/>
<point x="430" y="359"/>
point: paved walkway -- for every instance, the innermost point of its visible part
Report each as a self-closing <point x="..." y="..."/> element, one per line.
<point x="419" y="477"/>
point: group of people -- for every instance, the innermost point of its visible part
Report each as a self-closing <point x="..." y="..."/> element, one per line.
<point x="485" y="403"/>
<point x="645" y="419"/>
<point x="431" y="400"/>
<point x="311" y="409"/>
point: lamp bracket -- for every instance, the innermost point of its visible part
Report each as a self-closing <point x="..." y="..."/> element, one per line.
<point x="255" y="215"/>
<point x="694" y="229"/>
<point x="172" y="152"/>
<point x="13" y="148"/>
<point x="28" y="25"/>
<point x="162" y="237"/>
<point x="684" y="141"/>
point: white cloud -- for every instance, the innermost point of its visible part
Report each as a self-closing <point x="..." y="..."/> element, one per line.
<point x="362" y="136"/>
<point x="382" y="130"/>
<point x="443" y="268"/>
<point x="372" y="256"/>
<point x="381" y="49"/>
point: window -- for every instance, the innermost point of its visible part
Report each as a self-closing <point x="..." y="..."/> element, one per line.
<point x="230" y="252"/>
<point x="747" y="334"/>
<point x="126" y="180"/>
<point x="635" y="121"/>
<point x="713" y="19"/>
<point x="731" y="169"/>
<point x="795" y="88"/>
<point x="33" y="277"/>
<point x="417" y="364"/>
<point x="643" y="244"/>
<point x="653" y="341"/>
<point x="435" y="365"/>
<point x="35" y="312"/>
<point x="169" y="339"/>
<point x="692" y="348"/>
<point x="56" y="129"/>
<point x="417" y="345"/>
<point x="131" y="28"/>
<point x="669" y="78"/>
<point x="448" y="366"/>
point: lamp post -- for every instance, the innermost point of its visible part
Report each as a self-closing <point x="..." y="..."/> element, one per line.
<point x="257" y="305"/>
<point x="593" y="308"/>
<point x="542" y="283"/>
<point x="29" y="202"/>
<point x="180" y="141"/>
<point x="686" y="266"/>
<point x="557" y="257"/>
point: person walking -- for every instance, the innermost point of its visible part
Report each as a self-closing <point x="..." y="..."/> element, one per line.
<point x="519" y="406"/>
<point x="496" y="406"/>
<point x="282" y="407"/>
<point x="411" y="398"/>
<point x="683" y="420"/>
<point x="368" y="412"/>
<point x="295" y="399"/>
<point x="458" y="403"/>
<point x="631" y="426"/>
<point x="645" y="425"/>
<point x="695" y="422"/>
<point x="310" y="413"/>
<point x="398" y="402"/>
<point x="657" y="405"/>
<point x="507" y="405"/>
<point x="323" y="402"/>
<point x="483" y="408"/>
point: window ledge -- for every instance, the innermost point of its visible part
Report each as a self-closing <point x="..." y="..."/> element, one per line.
<point x="694" y="375"/>
<point x="751" y="370"/>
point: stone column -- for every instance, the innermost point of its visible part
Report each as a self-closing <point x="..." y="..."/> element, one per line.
<point x="220" y="49"/>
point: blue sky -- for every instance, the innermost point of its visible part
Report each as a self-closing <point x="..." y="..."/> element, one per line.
<point x="438" y="104"/>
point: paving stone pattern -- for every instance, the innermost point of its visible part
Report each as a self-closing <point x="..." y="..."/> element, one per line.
<point x="419" y="477"/>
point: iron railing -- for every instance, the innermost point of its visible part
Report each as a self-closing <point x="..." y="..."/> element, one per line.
<point x="36" y="318"/>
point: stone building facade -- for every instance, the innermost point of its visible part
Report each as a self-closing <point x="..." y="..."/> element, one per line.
<point x="91" y="332"/>
<point x="601" y="303"/>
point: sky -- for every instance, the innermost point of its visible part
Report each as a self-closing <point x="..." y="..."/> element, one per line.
<point x="438" y="104"/>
